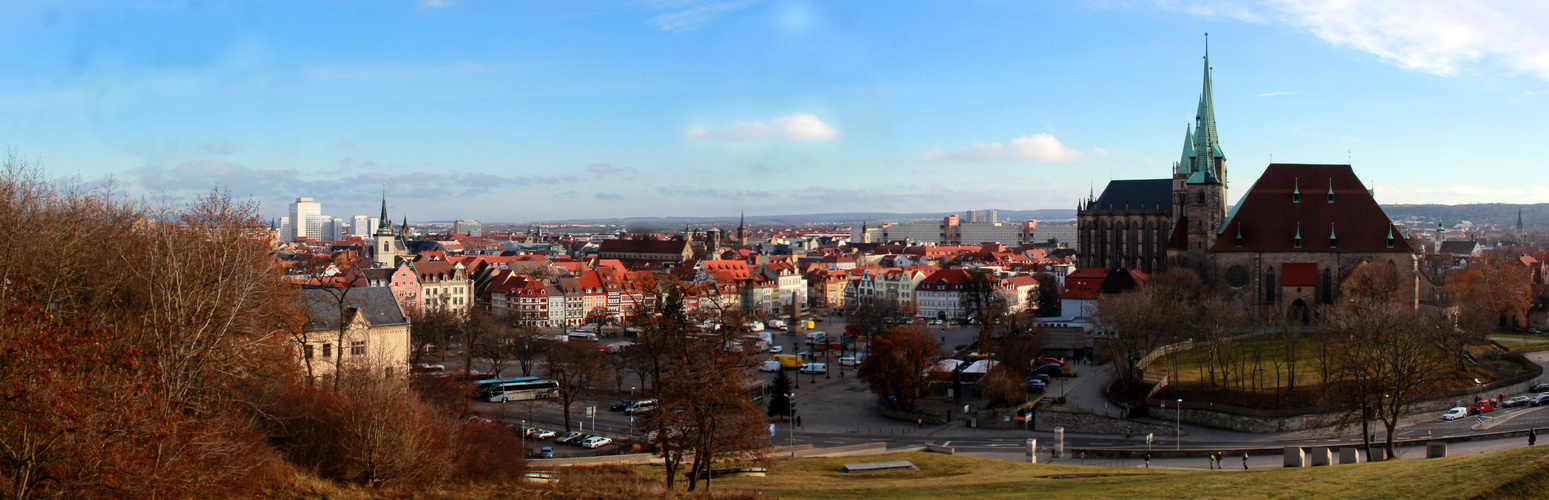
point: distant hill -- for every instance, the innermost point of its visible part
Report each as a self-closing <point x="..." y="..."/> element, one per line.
<point x="1505" y="214"/>
<point x="824" y="218"/>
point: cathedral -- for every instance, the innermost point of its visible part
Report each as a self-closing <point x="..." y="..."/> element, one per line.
<point x="1292" y="238"/>
<point x="1153" y="224"/>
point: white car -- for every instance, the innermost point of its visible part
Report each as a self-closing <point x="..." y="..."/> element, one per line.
<point x="769" y="366"/>
<point x="776" y="349"/>
<point x="814" y="368"/>
<point x="1455" y="413"/>
<point x="849" y="361"/>
<point x="596" y="442"/>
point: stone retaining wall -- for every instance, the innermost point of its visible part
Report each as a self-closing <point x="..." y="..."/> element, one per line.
<point x="1083" y="422"/>
<point x="1231" y="419"/>
<point x="905" y="416"/>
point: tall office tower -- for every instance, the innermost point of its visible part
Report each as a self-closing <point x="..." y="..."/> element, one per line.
<point x="301" y="214"/>
<point x="991" y="216"/>
<point x="468" y="227"/>
<point x="337" y="229"/>
<point x="361" y="226"/>
<point x="287" y="233"/>
<point x="972" y="217"/>
<point x="314" y="227"/>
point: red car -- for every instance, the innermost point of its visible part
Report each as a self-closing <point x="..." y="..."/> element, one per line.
<point x="1483" y="406"/>
<point x="1051" y="359"/>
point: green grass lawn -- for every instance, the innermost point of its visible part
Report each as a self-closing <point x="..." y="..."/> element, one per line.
<point x="1523" y="344"/>
<point x="1522" y="471"/>
<point x="1191" y="367"/>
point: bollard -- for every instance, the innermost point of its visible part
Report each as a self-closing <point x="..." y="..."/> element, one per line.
<point x="1349" y="455"/>
<point x="1320" y="456"/>
<point x="1295" y="456"/>
<point x="1436" y="449"/>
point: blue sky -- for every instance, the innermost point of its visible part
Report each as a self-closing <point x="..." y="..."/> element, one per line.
<point x="509" y="110"/>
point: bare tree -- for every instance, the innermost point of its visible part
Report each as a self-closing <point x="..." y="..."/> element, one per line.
<point x="576" y="371"/>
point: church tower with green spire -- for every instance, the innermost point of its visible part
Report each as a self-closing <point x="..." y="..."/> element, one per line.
<point x="1199" y="184"/>
<point x="386" y="248"/>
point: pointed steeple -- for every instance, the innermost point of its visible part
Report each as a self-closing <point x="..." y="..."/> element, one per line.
<point x="1186" y="163"/>
<point x="385" y="226"/>
<point x="1207" y="144"/>
<point x="1519" y="219"/>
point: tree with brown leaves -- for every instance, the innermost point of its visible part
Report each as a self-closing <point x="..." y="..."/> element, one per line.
<point x="897" y="368"/>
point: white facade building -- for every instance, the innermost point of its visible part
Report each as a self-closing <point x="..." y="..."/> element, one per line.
<point x="301" y="214"/>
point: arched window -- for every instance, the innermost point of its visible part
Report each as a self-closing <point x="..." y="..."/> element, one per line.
<point x="1269" y="287"/>
<point x="1326" y="287"/>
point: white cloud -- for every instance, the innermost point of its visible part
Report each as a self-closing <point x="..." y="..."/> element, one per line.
<point x="688" y="15"/>
<point x="1100" y="152"/>
<point x="793" y="127"/>
<point x="1035" y="148"/>
<point x="432" y="4"/>
<point x="1271" y="94"/>
<point x="1442" y="37"/>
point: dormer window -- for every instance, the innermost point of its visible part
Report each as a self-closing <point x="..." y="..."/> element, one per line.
<point x="1390" y="236"/>
<point x="1297" y="241"/>
<point x="1296" y="191"/>
<point x="1239" y="235"/>
<point x="1331" y="190"/>
<point x="1333" y="241"/>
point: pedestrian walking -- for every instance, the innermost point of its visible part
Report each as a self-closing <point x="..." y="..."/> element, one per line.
<point x="1148" y="460"/>
<point x="1532" y="437"/>
<point x="798" y="420"/>
<point x="1212" y="461"/>
<point x="1245" y="461"/>
<point x="1126" y="432"/>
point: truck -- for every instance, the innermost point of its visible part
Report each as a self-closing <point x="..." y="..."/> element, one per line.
<point x="789" y="361"/>
<point x="815" y="338"/>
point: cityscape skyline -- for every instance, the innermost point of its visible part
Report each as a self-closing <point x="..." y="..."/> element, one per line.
<point x="502" y="112"/>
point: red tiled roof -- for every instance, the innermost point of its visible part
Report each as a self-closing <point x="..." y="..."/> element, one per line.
<point x="1268" y="219"/>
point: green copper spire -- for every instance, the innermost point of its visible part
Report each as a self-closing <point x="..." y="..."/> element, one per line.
<point x="1186" y="164"/>
<point x="385" y="226"/>
<point x="1207" y="144"/>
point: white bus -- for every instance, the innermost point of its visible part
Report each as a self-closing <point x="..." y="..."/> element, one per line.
<point x="522" y="390"/>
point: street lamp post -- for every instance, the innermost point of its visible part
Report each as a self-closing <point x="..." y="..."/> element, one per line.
<point x="1178" y="426"/>
<point x="790" y="418"/>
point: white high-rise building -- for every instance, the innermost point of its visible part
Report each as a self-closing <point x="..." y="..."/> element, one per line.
<point x="287" y="233"/>
<point x="316" y="224"/>
<point x="334" y="229"/>
<point x="991" y="216"/>
<point x="302" y="213"/>
<point x="361" y="226"/>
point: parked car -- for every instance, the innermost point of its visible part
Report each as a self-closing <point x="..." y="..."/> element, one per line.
<point x="546" y="452"/>
<point x="596" y="442"/>
<point x="849" y="361"/>
<point x="1539" y="388"/>
<point x="537" y="433"/>
<point x="1051" y="359"/>
<point x="1515" y="401"/>
<point x="1051" y="369"/>
<point x="640" y="406"/>
<point x="581" y="438"/>
<point x="620" y="405"/>
<point x="1539" y="400"/>
<point x="1455" y="413"/>
<point x="1041" y="377"/>
<point x="1036" y="387"/>
<point x="769" y="366"/>
<point x="814" y="368"/>
<point x="1482" y="406"/>
<point x="568" y="437"/>
<point x="776" y="349"/>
